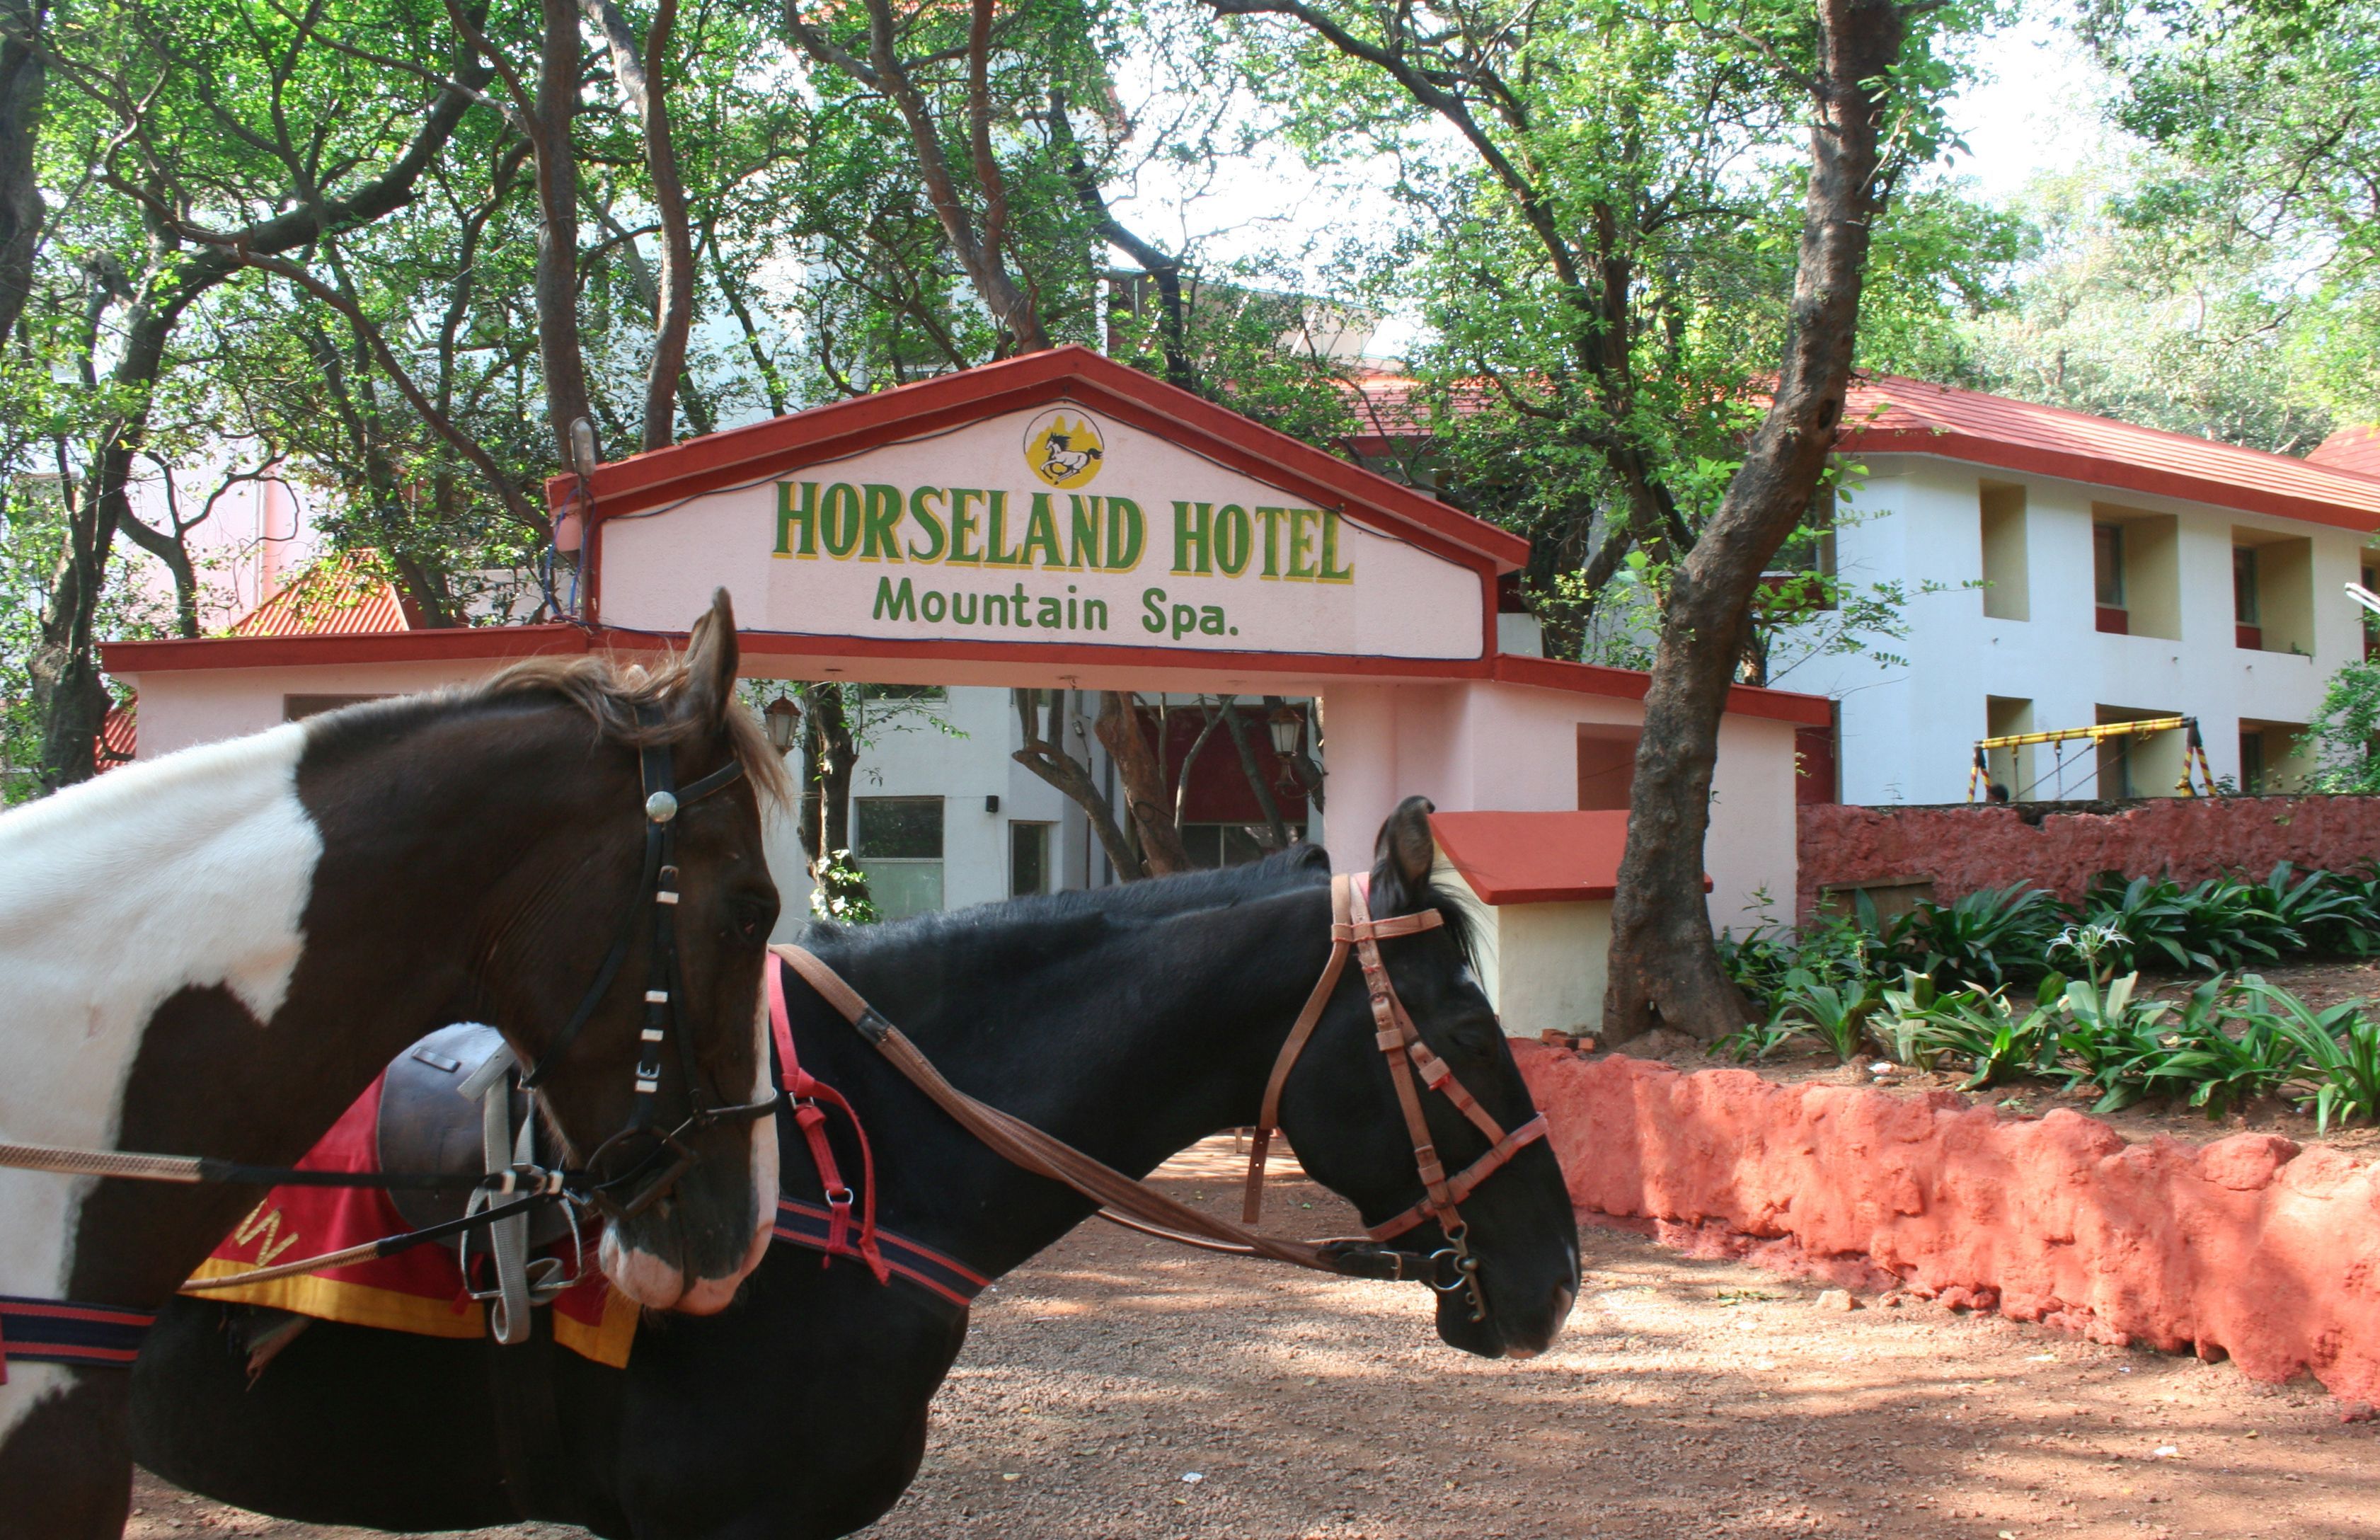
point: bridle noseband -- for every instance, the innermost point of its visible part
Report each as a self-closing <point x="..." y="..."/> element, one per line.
<point x="1352" y="929"/>
<point x="638" y="1165"/>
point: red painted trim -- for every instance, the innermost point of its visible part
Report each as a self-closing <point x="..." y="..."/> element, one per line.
<point x="1743" y="700"/>
<point x="454" y="643"/>
<point x="843" y="428"/>
<point x="496" y="643"/>
<point x="2098" y="470"/>
<point x="1306" y="665"/>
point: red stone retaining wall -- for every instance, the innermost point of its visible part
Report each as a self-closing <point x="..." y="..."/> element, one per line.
<point x="2248" y="1246"/>
<point x="1961" y="849"/>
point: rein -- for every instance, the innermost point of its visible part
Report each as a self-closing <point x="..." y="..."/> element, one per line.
<point x="1136" y="1206"/>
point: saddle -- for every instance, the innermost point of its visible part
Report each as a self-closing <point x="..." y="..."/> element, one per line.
<point x="451" y="1104"/>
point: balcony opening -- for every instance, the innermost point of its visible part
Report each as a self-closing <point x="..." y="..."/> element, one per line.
<point x="2006" y="595"/>
<point x="2271" y="763"/>
<point x="2149" y="765"/>
<point x="2005" y="717"/>
<point x="2272" y="591"/>
<point x="2136" y="571"/>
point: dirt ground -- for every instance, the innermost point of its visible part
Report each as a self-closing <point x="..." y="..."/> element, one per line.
<point x="1121" y="1389"/>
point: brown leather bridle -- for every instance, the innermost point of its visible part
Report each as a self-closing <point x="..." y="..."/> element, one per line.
<point x="1136" y="1206"/>
<point x="1354" y="929"/>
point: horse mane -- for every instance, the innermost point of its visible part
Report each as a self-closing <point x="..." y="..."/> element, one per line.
<point x="609" y="691"/>
<point x="997" y="924"/>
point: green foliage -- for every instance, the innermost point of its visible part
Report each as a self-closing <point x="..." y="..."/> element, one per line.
<point x="2000" y="1040"/>
<point x="842" y="892"/>
<point x="2224" y="1046"/>
<point x="1834" y="1013"/>
<point x="2345" y="728"/>
<point x="1985" y="937"/>
<point x="2338" y="1048"/>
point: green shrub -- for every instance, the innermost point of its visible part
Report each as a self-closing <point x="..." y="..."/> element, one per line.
<point x="842" y="892"/>
<point x="2212" y="1067"/>
<point x="2000" y="1041"/>
<point x="2340" y="1050"/>
<point x="2108" y="1040"/>
<point x="1985" y="938"/>
<point x="1835" y="1014"/>
<point x="2150" y="916"/>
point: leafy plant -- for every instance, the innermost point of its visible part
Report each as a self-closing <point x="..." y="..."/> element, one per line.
<point x="2340" y="1048"/>
<point x="1834" y="1013"/>
<point x="2223" y="1070"/>
<point x="1999" y="1040"/>
<point x="2147" y="912"/>
<point x="2225" y="920"/>
<point x="2323" y="912"/>
<point x="1984" y="938"/>
<point x="2112" y="1039"/>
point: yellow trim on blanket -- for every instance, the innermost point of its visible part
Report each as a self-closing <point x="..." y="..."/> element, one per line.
<point x="606" y="1343"/>
<point x="331" y="1298"/>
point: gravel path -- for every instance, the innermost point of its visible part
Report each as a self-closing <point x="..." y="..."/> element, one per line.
<point x="1687" y="1400"/>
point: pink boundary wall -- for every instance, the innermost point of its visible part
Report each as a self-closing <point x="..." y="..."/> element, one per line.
<point x="2248" y="1247"/>
<point x="1961" y="849"/>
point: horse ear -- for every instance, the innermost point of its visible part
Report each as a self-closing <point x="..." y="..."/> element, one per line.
<point x="1402" y="857"/>
<point x="711" y="660"/>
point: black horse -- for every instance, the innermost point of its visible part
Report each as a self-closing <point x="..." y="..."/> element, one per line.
<point x="1130" y="1022"/>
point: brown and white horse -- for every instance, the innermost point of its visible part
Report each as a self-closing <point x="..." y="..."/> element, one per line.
<point x="215" y="952"/>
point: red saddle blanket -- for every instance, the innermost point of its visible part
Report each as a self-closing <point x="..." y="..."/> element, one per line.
<point x="421" y="1290"/>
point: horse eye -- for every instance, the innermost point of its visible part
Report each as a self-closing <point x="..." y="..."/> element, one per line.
<point x="753" y="919"/>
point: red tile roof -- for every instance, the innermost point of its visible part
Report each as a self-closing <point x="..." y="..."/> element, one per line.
<point x="2339" y="484"/>
<point x="118" y="740"/>
<point x="2355" y="449"/>
<point x="1887" y="415"/>
<point x="341" y="597"/>
<point x="1536" y="858"/>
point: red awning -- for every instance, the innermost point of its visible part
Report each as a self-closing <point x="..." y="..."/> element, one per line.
<point x="1536" y="858"/>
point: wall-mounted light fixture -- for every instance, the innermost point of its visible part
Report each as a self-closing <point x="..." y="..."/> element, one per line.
<point x="784" y="722"/>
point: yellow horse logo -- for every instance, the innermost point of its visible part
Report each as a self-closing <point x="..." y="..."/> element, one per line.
<point x="1065" y="450"/>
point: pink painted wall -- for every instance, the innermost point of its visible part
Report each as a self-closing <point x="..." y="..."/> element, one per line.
<point x="2248" y="1247"/>
<point x="1514" y="748"/>
<point x="1961" y="849"/>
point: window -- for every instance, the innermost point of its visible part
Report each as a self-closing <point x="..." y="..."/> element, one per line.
<point x="1607" y="766"/>
<point x="2136" y="571"/>
<point x="2244" y="597"/>
<point x="2107" y="564"/>
<point x="1220" y="844"/>
<point x="898" y="842"/>
<point x="1028" y="859"/>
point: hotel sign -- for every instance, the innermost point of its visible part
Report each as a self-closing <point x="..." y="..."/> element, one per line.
<point x="1054" y="525"/>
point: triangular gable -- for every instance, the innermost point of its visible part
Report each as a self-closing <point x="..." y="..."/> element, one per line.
<point x="1058" y="498"/>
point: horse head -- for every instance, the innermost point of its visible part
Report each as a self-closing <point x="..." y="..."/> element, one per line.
<point x="1342" y="1111"/>
<point x="627" y="971"/>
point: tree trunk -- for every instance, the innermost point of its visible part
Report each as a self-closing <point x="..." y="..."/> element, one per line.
<point x="1142" y="779"/>
<point x="1664" y="967"/>
<point x="22" y="80"/>
<point x="1046" y="755"/>
<point x="1266" y="801"/>
<point x="556" y="107"/>
<point x="830" y="754"/>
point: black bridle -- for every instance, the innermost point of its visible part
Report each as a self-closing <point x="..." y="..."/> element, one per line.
<point x="638" y="1165"/>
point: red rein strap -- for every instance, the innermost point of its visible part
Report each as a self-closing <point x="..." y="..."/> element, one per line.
<point x="804" y="1093"/>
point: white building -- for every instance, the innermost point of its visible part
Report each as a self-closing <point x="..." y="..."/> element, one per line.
<point x="2066" y="571"/>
